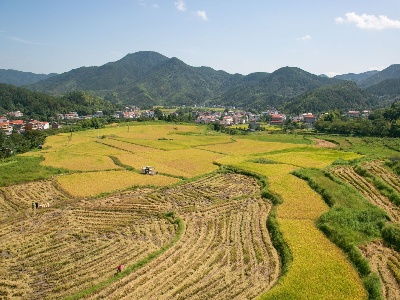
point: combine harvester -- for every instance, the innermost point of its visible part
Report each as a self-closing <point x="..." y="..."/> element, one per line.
<point x="148" y="170"/>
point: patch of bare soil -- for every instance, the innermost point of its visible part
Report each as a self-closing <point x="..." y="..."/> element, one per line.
<point x="385" y="262"/>
<point x="324" y="144"/>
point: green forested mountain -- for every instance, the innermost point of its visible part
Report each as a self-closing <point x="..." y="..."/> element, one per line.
<point x="357" y="78"/>
<point x="172" y="82"/>
<point x="20" y="78"/>
<point x="148" y="78"/>
<point x="143" y="78"/>
<point x="390" y="72"/>
<point x="389" y="87"/>
<point x="43" y="106"/>
<point x="341" y="96"/>
<point x="274" y="89"/>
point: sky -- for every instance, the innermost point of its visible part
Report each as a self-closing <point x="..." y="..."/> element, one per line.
<point x="319" y="36"/>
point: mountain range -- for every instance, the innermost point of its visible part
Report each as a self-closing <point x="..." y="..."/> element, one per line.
<point x="148" y="78"/>
<point x="19" y="78"/>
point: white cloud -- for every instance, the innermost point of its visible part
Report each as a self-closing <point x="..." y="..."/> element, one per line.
<point x="180" y="5"/>
<point x="19" y="40"/>
<point x="305" y="38"/>
<point x="145" y="3"/>
<point x="365" y="21"/>
<point x="202" y="14"/>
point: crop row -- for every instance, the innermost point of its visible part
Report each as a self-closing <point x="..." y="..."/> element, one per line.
<point x="19" y="198"/>
<point x="377" y="168"/>
<point x="224" y="254"/>
<point x="53" y="252"/>
<point x="385" y="262"/>
<point x="347" y="174"/>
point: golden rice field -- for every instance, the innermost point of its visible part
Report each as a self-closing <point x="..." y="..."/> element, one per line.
<point x="186" y="163"/>
<point x="188" y="232"/>
<point x="91" y="184"/>
<point x="224" y="250"/>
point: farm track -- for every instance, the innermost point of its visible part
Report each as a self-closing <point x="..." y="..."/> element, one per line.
<point x="384" y="261"/>
<point x="224" y="252"/>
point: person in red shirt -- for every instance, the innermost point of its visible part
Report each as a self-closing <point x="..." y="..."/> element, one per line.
<point x="119" y="269"/>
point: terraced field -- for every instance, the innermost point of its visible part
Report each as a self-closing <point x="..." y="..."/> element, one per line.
<point x="347" y="174"/>
<point x="384" y="260"/>
<point x="225" y="250"/>
<point x="188" y="233"/>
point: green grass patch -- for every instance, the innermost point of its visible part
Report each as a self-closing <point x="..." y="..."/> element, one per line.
<point x="19" y="169"/>
<point x="391" y="235"/>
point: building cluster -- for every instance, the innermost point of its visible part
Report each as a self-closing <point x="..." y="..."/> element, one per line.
<point x="8" y="126"/>
<point x="133" y="112"/>
<point x="225" y="118"/>
<point x="74" y="116"/>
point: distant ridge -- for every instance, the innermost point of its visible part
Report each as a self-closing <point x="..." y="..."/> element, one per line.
<point x="357" y="78"/>
<point x="19" y="78"/>
<point x="391" y="72"/>
<point x="147" y="78"/>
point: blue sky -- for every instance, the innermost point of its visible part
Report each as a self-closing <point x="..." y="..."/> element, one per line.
<point x="318" y="36"/>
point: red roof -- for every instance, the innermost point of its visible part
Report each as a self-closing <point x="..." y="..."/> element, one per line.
<point x="17" y="122"/>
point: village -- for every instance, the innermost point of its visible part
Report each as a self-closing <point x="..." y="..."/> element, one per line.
<point x="15" y="121"/>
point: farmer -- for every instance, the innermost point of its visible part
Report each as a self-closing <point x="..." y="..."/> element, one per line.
<point x="33" y="205"/>
<point x="119" y="269"/>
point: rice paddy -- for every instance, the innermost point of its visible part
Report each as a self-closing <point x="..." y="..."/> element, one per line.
<point x="188" y="232"/>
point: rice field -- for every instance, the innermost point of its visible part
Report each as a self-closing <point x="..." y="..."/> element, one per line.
<point x="187" y="163"/>
<point x="94" y="183"/>
<point x="73" y="247"/>
<point x="188" y="232"/>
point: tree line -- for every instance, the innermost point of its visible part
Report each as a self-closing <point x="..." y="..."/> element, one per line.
<point x="380" y="123"/>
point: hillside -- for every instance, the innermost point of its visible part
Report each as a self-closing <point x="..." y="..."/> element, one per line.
<point x="149" y="78"/>
<point x="342" y="96"/>
<point x="20" y="78"/>
<point x="143" y="78"/>
<point x="357" y="78"/>
<point x="43" y="106"/>
<point x="174" y="82"/>
<point x="274" y="89"/>
<point x="390" y="72"/>
<point x="388" y="87"/>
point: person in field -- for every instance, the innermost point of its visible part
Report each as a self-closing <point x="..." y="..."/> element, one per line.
<point x="119" y="269"/>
